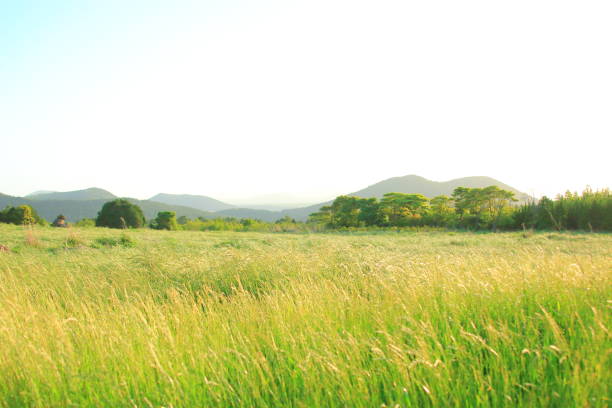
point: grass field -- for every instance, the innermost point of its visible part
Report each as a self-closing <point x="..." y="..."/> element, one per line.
<point x="92" y="317"/>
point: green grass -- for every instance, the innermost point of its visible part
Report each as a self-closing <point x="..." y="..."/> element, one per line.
<point x="94" y="317"/>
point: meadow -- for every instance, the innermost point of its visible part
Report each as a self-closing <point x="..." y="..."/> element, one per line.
<point x="99" y="317"/>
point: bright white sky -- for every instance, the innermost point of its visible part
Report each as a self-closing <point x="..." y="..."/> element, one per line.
<point x="231" y="98"/>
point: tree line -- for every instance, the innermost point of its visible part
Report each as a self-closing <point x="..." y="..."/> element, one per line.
<point x="589" y="211"/>
<point x="488" y="208"/>
<point x="121" y="213"/>
<point x="21" y="215"/>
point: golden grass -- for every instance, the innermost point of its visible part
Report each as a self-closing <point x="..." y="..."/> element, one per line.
<point x="253" y="319"/>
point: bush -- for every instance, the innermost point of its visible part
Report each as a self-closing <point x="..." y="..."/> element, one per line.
<point x="20" y="215"/>
<point x="165" y="220"/>
<point x="86" y="223"/>
<point x="124" y="240"/>
<point x="73" y="242"/>
<point x="120" y="213"/>
<point x="60" y="222"/>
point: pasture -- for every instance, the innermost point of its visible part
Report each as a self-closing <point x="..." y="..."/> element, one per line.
<point x="98" y="317"/>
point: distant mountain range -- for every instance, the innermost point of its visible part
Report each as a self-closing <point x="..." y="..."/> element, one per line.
<point x="77" y="209"/>
<point x="78" y="195"/>
<point x="194" y="201"/>
<point x="76" y="205"/>
<point x="39" y="193"/>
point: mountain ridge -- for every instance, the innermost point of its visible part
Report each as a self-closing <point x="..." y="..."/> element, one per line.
<point x="198" y="202"/>
<point x="92" y="193"/>
<point x="75" y="210"/>
<point x="80" y="204"/>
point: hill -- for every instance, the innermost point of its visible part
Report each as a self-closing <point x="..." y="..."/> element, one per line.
<point x="258" y="214"/>
<point x="7" y="200"/>
<point x="39" y="192"/>
<point x="413" y="184"/>
<point x="151" y="208"/>
<point x="199" y="202"/>
<point x="78" y="195"/>
<point x="75" y="210"/>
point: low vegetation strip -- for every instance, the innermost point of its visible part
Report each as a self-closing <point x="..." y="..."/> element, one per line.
<point x="179" y="318"/>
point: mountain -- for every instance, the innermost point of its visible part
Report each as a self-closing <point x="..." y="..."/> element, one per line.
<point x="10" y="201"/>
<point x="75" y="210"/>
<point x="194" y="201"/>
<point x="79" y="195"/>
<point x="273" y="206"/>
<point x="39" y="192"/>
<point x="412" y="184"/>
<point x="151" y="208"/>
<point x="276" y="201"/>
<point x="264" y="215"/>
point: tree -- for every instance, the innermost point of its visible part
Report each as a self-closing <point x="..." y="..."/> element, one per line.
<point x="120" y="213"/>
<point x="496" y="200"/>
<point x="345" y="211"/>
<point x="165" y="220"/>
<point x="323" y="216"/>
<point x="20" y="215"/>
<point x="369" y="212"/>
<point x="441" y="211"/>
<point x="285" y="220"/>
<point x="483" y="207"/>
<point x="400" y="208"/>
<point x="441" y="205"/>
<point x="466" y="201"/>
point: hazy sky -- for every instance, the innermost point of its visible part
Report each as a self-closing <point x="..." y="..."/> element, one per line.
<point x="314" y="98"/>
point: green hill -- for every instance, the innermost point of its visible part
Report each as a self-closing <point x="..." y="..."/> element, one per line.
<point x="75" y="210"/>
<point x="79" y="195"/>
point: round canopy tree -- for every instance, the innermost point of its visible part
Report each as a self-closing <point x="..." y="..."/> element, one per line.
<point x="120" y="213"/>
<point x="165" y="220"/>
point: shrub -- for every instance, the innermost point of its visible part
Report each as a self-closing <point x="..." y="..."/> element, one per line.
<point x="124" y="240"/>
<point x="165" y="220"/>
<point x="86" y="223"/>
<point x="120" y="213"/>
<point x="20" y="215"/>
<point x="60" y="221"/>
<point x="73" y="242"/>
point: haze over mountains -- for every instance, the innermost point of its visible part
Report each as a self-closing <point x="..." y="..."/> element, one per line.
<point x="79" y="204"/>
<point x="79" y="195"/>
<point x="76" y="205"/>
<point x="194" y="201"/>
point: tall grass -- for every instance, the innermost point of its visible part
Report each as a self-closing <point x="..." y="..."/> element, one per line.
<point x="226" y="319"/>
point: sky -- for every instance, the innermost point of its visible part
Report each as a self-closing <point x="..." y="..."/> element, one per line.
<point x="306" y="99"/>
